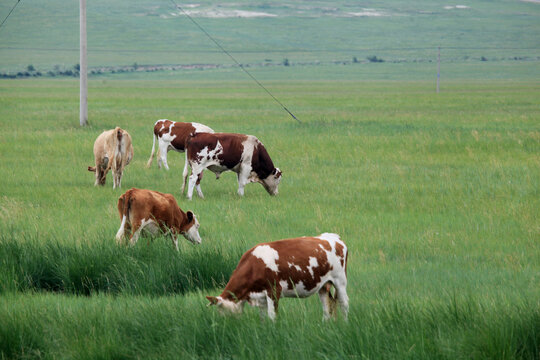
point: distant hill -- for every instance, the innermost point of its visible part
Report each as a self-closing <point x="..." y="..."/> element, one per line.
<point x="125" y="33"/>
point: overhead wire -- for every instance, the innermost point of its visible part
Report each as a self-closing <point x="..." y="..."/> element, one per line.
<point x="234" y="59"/>
<point x="13" y="8"/>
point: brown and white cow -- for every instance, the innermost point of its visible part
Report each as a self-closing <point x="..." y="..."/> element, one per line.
<point x="243" y="154"/>
<point x="112" y="150"/>
<point x="172" y="135"/>
<point x="154" y="211"/>
<point x="295" y="268"/>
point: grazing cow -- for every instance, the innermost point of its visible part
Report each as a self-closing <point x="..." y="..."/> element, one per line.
<point x="151" y="210"/>
<point x="297" y="267"/>
<point x="243" y="154"/>
<point x="173" y="135"/>
<point x="112" y="150"/>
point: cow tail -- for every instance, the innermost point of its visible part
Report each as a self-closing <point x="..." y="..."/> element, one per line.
<point x="124" y="207"/>
<point x="149" y="163"/>
<point x="124" y="204"/>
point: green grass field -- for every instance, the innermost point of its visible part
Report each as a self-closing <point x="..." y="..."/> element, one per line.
<point x="437" y="197"/>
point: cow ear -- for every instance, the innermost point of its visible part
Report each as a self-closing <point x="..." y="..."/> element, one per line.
<point x="213" y="300"/>
<point x="190" y="216"/>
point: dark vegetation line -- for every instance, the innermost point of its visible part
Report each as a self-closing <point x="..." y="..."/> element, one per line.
<point x="264" y="51"/>
<point x="59" y="71"/>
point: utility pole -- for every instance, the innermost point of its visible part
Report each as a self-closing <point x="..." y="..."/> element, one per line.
<point x="438" y="68"/>
<point x="83" y="115"/>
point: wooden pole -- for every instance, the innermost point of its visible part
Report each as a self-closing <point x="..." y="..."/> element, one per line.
<point x="83" y="115"/>
<point x="438" y="68"/>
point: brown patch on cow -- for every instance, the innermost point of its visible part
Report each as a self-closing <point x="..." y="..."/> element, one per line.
<point x="339" y="253"/>
<point x="261" y="162"/>
<point x="231" y="143"/>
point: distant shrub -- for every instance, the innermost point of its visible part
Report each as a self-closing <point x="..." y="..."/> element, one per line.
<point x="286" y="62"/>
<point x="30" y="68"/>
<point x="375" y="59"/>
<point x="355" y="59"/>
<point x="77" y="67"/>
<point x="483" y="58"/>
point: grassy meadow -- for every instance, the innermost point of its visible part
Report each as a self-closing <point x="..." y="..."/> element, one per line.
<point x="436" y="196"/>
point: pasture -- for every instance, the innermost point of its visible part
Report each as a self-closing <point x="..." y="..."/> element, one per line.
<point x="436" y="196"/>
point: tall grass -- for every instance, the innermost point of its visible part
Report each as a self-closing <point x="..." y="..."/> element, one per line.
<point x="181" y="327"/>
<point x="436" y="196"/>
<point x="32" y="263"/>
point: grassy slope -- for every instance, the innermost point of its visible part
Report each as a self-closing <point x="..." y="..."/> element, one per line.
<point x="436" y="197"/>
<point x="144" y="32"/>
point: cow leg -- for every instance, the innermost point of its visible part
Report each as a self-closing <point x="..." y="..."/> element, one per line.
<point x="272" y="300"/>
<point x="100" y="175"/>
<point x="174" y="238"/>
<point x="121" y="232"/>
<point x="195" y="179"/>
<point x="325" y="302"/>
<point x="115" y="178"/>
<point x="243" y="176"/>
<point x="184" y="175"/>
<point x="342" y="298"/>
<point x="136" y="231"/>
<point x="198" y="186"/>
<point x="162" y="156"/>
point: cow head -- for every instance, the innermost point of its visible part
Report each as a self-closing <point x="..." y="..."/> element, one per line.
<point x="272" y="181"/>
<point x="226" y="306"/>
<point x="190" y="230"/>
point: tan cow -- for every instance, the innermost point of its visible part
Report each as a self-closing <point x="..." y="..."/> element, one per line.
<point x="112" y="151"/>
<point x="296" y="268"/>
<point x="154" y="211"/>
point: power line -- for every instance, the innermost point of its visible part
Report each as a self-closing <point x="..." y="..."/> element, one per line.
<point x="234" y="59"/>
<point x="13" y="8"/>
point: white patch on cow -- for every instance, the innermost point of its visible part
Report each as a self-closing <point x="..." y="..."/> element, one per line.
<point x="295" y="266"/>
<point x="193" y="233"/>
<point x="312" y="264"/>
<point x="200" y="128"/>
<point x="268" y="255"/>
<point x="162" y="123"/>
<point x="257" y="298"/>
<point x="284" y="286"/>
<point x="249" y="146"/>
<point x="206" y="153"/>
<point x="331" y="237"/>
<point x="300" y="290"/>
<point x="150" y="225"/>
<point x="229" y="305"/>
<point x="169" y="137"/>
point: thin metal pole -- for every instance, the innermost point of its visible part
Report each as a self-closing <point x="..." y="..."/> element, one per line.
<point x="438" y="68"/>
<point x="83" y="116"/>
